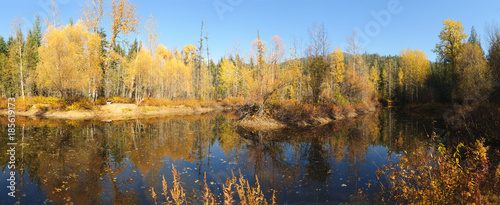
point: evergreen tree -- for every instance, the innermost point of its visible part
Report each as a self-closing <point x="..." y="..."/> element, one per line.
<point x="33" y="42"/>
<point x="473" y="38"/>
<point x="3" y="68"/>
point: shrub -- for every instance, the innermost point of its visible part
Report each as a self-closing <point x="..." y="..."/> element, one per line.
<point x="79" y="104"/>
<point x="340" y="99"/>
<point x="157" y="102"/>
<point x="58" y="106"/>
<point x="440" y="176"/>
<point x="121" y="100"/>
<point x="20" y="105"/>
<point x="331" y="109"/>
<point x="100" y="101"/>
<point x="294" y="111"/>
<point x="357" y="87"/>
<point x="3" y="103"/>
<point x="233" y="101"/>
<point x="167" y="102"/>
<point x="191" y="103"/>
<point x="206" y="103"/>
<point x="45" y="100"/>
<point x="23" y="105"/>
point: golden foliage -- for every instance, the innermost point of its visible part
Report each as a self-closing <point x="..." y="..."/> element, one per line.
<point x="228" y="78"/>
<point x="452" y="37"/>
<point x="69" y="59"/>
<point x="356" y="87"/>
<point x="415" y="66"/>
<point x="474" y="75"/>
<point x="188" y="54"/>
<point x="338" y="67"/>
<point x="92" y="14"/>
<point x="439" y="176"/>
<point x="123" y="18"/>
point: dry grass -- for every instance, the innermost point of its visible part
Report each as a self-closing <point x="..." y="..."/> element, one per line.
<point x="208" y="197"/>
<point x="177" y="192"/>
<point x="165" y="190"/>
<point x="248" y="195"/>
<point x="228" y="191"/>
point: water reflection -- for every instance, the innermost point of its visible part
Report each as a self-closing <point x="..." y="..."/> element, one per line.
<point x="88" y="162"/>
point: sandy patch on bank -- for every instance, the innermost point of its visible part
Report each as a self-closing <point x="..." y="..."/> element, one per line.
<point x="117" y="111"/>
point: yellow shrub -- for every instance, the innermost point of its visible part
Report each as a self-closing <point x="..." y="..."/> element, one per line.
<point x="3" y="103"/>
<point x="121" y="100"/>
<point x="23" y="105"/>
<point x="45" y="100"/>
<point x="233" y="101"/>
<point x="191" y="103"/>
<point x="100" y="101"/>
<point x="80" y="104"/>
<point x="157" y="102"/>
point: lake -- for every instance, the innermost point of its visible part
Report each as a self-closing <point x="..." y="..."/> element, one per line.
<point x="94" y="162"/>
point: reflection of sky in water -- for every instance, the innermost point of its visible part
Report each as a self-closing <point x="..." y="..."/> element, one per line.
<point x="329" y="165"/>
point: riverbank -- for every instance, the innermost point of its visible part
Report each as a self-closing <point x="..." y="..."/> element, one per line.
<point x="298" y="114"/>
<point x="118" y="111"/>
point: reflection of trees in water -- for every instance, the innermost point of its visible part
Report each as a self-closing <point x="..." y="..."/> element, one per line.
<point x="289" y="158"/>
<point x="66" y="163"/>
<point x="94" y="159"/>
<point x="317" y="165"/>
<point x="400" y="132"/>
<point x="314" y="152"/>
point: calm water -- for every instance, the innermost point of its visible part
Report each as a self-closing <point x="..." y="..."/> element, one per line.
<point x="94" y="162"/>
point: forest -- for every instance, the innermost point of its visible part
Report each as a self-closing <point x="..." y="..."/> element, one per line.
<point x="80" y="65"/>
<point x="81" y="59"/>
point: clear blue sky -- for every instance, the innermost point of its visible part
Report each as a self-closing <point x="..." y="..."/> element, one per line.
<point x="413" y="24"/>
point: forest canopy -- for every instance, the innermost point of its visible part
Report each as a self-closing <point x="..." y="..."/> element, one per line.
<point x="83" y="59"/>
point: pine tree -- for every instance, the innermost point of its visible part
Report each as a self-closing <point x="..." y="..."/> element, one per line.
<point x="4" y="68"/>
<point x="473" y="38"/>
<point x="34" y="40"/>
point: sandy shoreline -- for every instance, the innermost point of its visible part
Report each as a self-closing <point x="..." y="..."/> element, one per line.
<point x="117" y="111"/>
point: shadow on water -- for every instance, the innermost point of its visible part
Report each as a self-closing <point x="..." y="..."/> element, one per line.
<point x="88" y="162"/>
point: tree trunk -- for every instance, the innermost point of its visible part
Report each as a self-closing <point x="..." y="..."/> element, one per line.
<point x="21" y="70"/>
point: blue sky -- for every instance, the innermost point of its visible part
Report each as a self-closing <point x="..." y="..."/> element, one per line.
<point x="413" y="23"/>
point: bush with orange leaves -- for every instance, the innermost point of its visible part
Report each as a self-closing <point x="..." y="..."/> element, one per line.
<point x="441" y="176"/>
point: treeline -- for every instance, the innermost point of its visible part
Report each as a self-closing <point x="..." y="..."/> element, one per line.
<point x="84" y="60"/>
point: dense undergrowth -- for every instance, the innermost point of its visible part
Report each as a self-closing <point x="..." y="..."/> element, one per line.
<point x="465" y="174"/>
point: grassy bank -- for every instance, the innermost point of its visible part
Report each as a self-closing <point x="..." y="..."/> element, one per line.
<point x="117" y="108"/>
